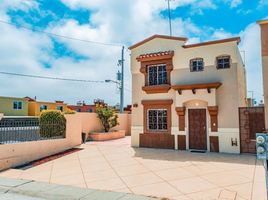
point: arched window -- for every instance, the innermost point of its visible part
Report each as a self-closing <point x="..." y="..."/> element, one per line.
<point x="196" y="65"/>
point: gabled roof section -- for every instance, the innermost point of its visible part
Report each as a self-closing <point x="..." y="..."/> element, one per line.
<point x="234" y="39"/>
<point x="157" y="36"/>
<point x="262" y="22"/>
<point x="155" y="56"/>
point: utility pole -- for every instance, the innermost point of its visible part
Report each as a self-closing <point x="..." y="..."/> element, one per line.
<point x="122" y="81"/>
<point x="169" y="16"/>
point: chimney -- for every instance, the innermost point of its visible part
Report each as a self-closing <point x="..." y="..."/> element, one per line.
<point x="264" y="43"/>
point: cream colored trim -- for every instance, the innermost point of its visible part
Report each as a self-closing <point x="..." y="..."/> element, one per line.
<point x="174" y="130"/>
<point x="182" y="133"/>
<point x="137" y="128"/>
<point x="1" y="115"/>
<point x="228" y="130"/>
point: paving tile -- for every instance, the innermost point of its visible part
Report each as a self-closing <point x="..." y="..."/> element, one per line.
<point x="227" y="195"/>
<point x="11" y="196"/>
<point x="131" y="170"/>
<point x="132" y="197"/>
<point x="65" y="193"/>
<point x="162" y="190"/>
<point x="212" y="194"/>
<point x="33" y="188"/>
<point x="141" y="179"/>
<point x="4" y="189"/>
<point x="97" y="195"/>
<point x="225" y="178"/>
<point x="174" y="174"/>
<point x="190" y="185"/>
<point x="7" y="182"/>
<point x="109" y="184"/>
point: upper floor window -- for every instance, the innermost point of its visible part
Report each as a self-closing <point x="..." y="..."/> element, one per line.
<point x="157" y="120"/>
<point x="43" y="107"/>
<point x="196" y="65"/>
<point x="223" y="62"/>
<point x="157" y="74"/>
<point x="17" y="105"/>
<point x="60" y="108"/>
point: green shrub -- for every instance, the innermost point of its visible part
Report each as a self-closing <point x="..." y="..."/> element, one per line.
<point x="69" y="111"/>
<point x="52" y="124"/>
<point x="108" y="117"/>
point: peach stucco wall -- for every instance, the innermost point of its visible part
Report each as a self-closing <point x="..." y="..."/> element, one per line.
<point x="20" y="153"/>
<point x="91" y="123"/>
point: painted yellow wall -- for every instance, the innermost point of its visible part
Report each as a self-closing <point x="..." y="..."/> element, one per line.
<point x="34" y="107"/>
<point x="6" y="106"/>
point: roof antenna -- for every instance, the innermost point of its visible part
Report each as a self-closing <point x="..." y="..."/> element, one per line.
<point x="169" y="16"/>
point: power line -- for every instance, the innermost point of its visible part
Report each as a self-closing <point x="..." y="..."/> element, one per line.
<point x="61" y="36"/>
<point x="51" y="78"/>
<point x="55" y="78"/>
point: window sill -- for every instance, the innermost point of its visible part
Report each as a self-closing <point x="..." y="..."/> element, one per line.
<point x="156" y="89"/>
<point x="156" y="132"/>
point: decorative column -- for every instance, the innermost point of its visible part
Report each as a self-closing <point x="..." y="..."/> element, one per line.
<point x="214" y="140"/>
<point x="181" y="138"/>
<point x="213" y="112"/>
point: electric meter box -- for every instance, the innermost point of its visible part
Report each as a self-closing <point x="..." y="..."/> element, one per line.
<point x="262" y="146"/>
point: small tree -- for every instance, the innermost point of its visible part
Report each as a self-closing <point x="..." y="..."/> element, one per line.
<point x="108" y="117"/>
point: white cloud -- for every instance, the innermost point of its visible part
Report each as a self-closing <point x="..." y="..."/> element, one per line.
<point x="235" y="3"/>
<point x="115" y="21"/>
<point x="250" y="43"/>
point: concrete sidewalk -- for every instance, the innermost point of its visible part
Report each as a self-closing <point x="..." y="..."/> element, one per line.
<point x="18" y="189"/>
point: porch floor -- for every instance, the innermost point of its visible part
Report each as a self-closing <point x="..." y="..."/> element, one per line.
<point x="115" y="166"/>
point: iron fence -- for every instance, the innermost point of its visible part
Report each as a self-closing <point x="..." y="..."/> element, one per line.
<point x="16" y="130"/>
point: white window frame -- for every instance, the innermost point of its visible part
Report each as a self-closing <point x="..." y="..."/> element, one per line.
<point x="148" y="75"/>
<point x="196" y="60"/>
<point x="223" y="57"/>
<point x="156" y="130"/>
<point x="17" y="104"/>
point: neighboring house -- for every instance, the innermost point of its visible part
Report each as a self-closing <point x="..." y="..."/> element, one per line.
<point x="82" y="107"/>
<point x="264" y="42"/>
<point x="36" y="107"/>
<point x="13" y="106"/>
<point x="187" y="96"/>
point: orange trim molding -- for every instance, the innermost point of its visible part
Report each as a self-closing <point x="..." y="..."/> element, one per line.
<point x="156" y="89"/>
<point x="234" y="39"/>
<point x="193" y="87"/>
<point x="181" y="113"/>
<point x="157" y="104"/>
<point x="157" y="36"/>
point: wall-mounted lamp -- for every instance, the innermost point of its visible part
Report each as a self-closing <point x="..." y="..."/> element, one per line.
<point x="234" y="142"/>
<point x="135" y="105"/>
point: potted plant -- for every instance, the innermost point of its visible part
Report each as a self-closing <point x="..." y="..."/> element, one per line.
<point x="109" y="119"/>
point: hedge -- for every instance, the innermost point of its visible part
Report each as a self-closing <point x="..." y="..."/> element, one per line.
<point x="52" y="124"/>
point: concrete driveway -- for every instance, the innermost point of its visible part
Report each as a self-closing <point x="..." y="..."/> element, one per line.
<point x="115" y="166"/>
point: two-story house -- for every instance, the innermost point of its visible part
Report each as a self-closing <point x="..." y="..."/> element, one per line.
<point x="187" y="97"/>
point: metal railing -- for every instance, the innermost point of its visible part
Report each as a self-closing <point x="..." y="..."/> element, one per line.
<point x="24" y="129"/>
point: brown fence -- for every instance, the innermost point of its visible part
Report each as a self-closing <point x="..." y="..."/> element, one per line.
<point x="251" y="121"/>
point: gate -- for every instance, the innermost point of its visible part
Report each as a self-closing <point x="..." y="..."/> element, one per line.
<point x="251" y="121"/>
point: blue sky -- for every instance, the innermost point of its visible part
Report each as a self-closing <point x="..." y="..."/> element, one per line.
<point x="118" y="21"/>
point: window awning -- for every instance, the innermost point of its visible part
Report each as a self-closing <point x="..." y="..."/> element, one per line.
<point x="194" y="87"/>
<point x="155" y="56"/>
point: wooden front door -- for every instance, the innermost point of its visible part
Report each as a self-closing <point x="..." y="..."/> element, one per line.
<point x="197" y="129"/>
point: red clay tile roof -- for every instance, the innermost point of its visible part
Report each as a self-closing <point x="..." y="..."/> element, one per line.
<point x="154" y="55"/>
<point x="234" y="39"/>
